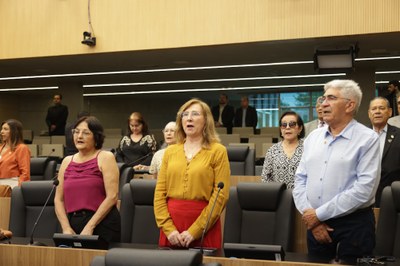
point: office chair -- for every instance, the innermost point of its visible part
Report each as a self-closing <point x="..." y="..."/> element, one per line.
<point x="260" y="213"/>
<point x="43" y="168"/>
<point x="138" y="224"/>
<point x="388" y="228"/>
<point x="241" y="160"/>
<point x="26" y="204"/>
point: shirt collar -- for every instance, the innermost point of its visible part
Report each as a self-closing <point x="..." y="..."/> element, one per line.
<point x="346" y="133"/>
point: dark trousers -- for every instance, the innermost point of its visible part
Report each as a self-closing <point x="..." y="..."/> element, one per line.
<point x="353" y="237"/>
<point x="109" y="229"/>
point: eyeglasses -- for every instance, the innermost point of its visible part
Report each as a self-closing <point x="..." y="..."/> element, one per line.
<point x="291" y="124"/>
<point x="168" y="130"/>
<point x="85" y="133"/>
<point x="193" y="114"/>
<point x="330" y="98"/>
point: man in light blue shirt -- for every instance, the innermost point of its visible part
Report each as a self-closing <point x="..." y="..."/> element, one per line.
<point x="337" y="178"/>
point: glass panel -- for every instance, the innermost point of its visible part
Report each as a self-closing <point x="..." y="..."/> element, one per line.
<point x="270" y="106"/>
<point x="294" y="99"/>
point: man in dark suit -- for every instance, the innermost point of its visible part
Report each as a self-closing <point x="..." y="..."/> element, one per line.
<point x="246" y="116"/>
<point x="223" y="113"/>
<point x="57" y="115"/>
<point x="379" y="112"/>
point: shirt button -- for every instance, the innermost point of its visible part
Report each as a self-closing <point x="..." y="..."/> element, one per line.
<point x="319" y="197"/>
<point x="320" y="179"/>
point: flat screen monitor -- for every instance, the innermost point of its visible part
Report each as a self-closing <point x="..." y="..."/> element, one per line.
<point x="254" y="251"/>
<point x="79" y="241"/>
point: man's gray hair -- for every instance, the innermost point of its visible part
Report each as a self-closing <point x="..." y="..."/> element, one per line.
<point x="380" y="98"/>
<point x="348" y="89"/>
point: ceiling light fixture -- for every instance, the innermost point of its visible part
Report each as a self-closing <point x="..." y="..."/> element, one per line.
<point x="30" y="89"/>
<point x="200" y="90"/>
<point x="209" y="80"/>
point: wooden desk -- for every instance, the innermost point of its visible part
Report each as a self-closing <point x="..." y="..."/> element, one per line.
<point x="5" y="204"/>
<point x="19" y="255"/>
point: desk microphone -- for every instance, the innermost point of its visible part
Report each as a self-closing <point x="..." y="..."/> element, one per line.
<point x="55" y="184"/>
<point x="139" y="160"/>
<point x="220" y="186"/>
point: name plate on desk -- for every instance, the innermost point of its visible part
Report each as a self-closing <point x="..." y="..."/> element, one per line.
<point x="254" y="251"/>
<point x="79" y="241"/>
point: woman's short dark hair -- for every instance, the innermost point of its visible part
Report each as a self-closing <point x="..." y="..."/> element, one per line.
<point x="95" y="127"/>
<point x="15" y="132"/>
<point x="299" y="121"/>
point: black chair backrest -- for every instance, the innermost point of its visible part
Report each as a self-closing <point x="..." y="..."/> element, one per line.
<point x="26" y="204"/>
<point x="138" y="224"/>
<point x="125" y="176"/>
<point x="241" y="160"/>
<point x="42" y="168"/>
<point x="260" y="213"/>
<point x="388" y="227"/>
<point x="144" y="257"/>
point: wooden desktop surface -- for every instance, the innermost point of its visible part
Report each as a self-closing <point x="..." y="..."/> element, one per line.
<point x="22" y="255"/>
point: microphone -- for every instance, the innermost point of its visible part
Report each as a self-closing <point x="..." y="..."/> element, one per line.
<point x="32" y="243"/>
<point x="220" y="186"/>
<point x="139" y="160"/>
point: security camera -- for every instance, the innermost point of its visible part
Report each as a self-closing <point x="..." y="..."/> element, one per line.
<point x="88" y="39"/>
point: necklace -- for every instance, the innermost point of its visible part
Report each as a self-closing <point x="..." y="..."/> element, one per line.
<point x="190" y="152"/>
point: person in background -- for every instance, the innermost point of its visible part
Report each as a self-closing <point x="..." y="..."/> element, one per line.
<point x="138" y="146"/>
<point x="223" y="113"/>
<point x="87" y="194"/>
<point x="187" y="184"/>
<point x="246" y="116"/>
<point x="69" y="138"/>
<point x="389" y="137"/>
<point x="282" y="158"/>
<point x="169" y="138"/>
<point x="394" y="93"/>
<point x="337" y="178"/>
<point x="15" y="156"/>
<point x="395" y="120"/>
<point x="57" y="115"/>
<point x="317" y="123"/>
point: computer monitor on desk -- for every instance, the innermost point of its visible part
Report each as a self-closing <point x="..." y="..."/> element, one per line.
<point x="79" y="241"/>
<point x="254" y="251"/>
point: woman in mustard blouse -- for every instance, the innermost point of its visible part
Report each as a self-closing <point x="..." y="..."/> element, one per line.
<point x="187" y="183"/>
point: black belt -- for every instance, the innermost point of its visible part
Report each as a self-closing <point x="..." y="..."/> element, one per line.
<point x="80" y="213"/>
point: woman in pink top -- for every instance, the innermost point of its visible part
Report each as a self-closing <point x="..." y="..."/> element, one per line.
<point x="86" y="197"/>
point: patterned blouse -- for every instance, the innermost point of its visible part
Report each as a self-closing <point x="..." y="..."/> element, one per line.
<point x="278" y="167"/>
<point x="134" y="153"/>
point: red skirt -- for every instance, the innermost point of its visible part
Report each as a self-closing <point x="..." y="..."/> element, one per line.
<point x="184" y="213"/>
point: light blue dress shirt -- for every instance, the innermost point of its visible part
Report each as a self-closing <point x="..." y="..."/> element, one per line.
<point x="338" y="175"/>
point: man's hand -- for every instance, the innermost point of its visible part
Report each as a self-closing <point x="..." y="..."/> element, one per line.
<point x="310" y="218"/>
<point x="321" y="233"/>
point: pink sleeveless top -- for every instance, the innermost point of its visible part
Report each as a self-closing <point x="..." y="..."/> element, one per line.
<point x="83" y="186"/>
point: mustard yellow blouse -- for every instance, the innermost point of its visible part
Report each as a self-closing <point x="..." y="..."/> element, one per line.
<point x="194" y="180"/>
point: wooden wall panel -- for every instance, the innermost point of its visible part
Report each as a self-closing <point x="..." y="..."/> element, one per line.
<point x="55" y="27"/>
